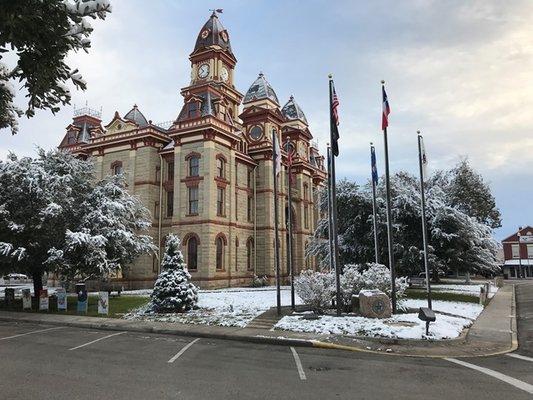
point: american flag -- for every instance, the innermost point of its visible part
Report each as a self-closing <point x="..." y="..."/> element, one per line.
<point x="386" y="110"/>
<point x="423" y="159"/>
<point x="334" y="119"/>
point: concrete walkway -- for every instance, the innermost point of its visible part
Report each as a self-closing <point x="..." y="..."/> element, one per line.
<point x="494" y="332"/>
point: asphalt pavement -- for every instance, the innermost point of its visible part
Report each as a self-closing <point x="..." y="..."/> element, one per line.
<point x="40" y="361"/>
<point x="51" y="362"/>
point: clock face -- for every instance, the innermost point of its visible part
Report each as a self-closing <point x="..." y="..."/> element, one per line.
<point x="256" y="132"/>
<point x="224" y="74"/>
<point x="205" y="33"/>
<point x="203" y="71"/>
<point x="224" y="36"/>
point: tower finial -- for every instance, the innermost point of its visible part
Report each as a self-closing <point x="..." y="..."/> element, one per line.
<point x="215" y="11"/>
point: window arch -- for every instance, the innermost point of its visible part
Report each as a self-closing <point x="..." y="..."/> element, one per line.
<point x="250" y="254"/>
<point x="193" y="163"/>
<point x="221" y="166"/>
<point x="220" y="243"/>
<point x="116" y="167"/>
<point x="192" y="242"/>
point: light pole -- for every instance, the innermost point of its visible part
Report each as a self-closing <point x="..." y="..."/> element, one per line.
<point x="520" y="272"/>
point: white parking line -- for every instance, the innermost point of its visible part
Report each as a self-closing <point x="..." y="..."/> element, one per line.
<point x="505" y="378"/>
<point x="298" y="364"/>
<point x="97" y="340"/>
<point x="31" y="333"/>
<point x="520" y="357"/>
<point x="183" y="350"/>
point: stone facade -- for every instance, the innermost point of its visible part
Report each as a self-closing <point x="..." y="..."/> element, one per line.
<point x="209" y="175"/>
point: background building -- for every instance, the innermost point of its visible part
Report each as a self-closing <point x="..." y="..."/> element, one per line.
<point x="207" y="176"/>
<point x="518" y="254"/>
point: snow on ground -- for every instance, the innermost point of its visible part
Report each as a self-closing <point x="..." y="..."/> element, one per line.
<point x="235" y="307"/>
<point x="401" y="326"/>
<point x="18" y="289"/>
<point x="473" y="290"/>
<point x="458" y="308"/>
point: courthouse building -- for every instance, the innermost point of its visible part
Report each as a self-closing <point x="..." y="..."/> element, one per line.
<point x="208" y="176"/>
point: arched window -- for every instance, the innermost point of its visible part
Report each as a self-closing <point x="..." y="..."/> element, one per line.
<point x="116" y="167"/>
<point x="250" y="253"/>
<point x="221" y="167"/>
<point x="192" y="253"/>
<point x="194" y="166"/>
<point x="220" y="253"/>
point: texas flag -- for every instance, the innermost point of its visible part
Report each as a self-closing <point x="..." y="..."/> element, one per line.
<point x="385" y="111"/>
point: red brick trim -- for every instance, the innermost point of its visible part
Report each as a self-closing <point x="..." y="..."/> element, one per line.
<point x="192" y="154"/>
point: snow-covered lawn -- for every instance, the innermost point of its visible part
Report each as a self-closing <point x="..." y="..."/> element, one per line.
<point x="458" y="308"/>
<point x="229" y="307"/>
<point x="402" y="326"/>
<point x="473" y="290"/>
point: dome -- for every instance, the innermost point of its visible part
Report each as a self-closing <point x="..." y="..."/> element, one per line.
<point x="136" y="116"/>
<point x="213" y="33"/>
<point x="259" y="90"/>
<point x="292" y="111"/>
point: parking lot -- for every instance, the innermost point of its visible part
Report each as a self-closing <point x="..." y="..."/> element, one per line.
<point x="53" y="362"/>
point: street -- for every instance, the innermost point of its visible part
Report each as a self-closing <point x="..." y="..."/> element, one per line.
<point x="47" y="362"/>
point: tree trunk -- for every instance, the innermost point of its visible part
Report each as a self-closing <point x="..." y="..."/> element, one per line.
<point x="468" y="278"/>
<point x="37" y="277"/>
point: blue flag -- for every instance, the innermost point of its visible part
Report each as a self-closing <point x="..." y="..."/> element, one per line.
<point x="374" y="167"/>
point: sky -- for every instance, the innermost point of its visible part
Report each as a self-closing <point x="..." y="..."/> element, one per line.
<point x="461" y="72"/>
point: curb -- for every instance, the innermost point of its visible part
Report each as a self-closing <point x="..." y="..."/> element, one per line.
<point x="280" y="341"/>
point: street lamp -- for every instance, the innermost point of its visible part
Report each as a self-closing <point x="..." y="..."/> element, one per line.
<point x="520" y="272"/>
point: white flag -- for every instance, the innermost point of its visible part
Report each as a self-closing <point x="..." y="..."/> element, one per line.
<point x="277" y="151"/>
<point x="423" y="158"/>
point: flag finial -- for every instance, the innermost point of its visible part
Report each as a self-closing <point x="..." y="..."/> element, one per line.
<point x="418" y="131"/>
<point x="371" y="144"/>
<point x="330" y="76"/>
<point x="382" y="82"/>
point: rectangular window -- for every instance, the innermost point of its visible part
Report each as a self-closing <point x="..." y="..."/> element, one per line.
<point x="220" y="201"/>
<point x="193" y="109"/>
<point x="156" y="210"/>
<point x="306" y="216"/>
<point x="193" y="200"/>
<point x="170" y="174"/>
<point x="250" y="179"/>
<point x="250" y="209"/>
<point x="530" y="251"/>
<point x="170" y="204"/>
<point x="515" y="251"/>
<point x="157" y="173"/>
<point x="236" y="206"/>
<point x="194" y="166"/>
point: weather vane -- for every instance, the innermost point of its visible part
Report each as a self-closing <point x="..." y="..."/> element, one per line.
<point x="216" y="10"/>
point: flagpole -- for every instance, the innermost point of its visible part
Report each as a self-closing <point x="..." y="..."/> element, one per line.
<point x="330" y="213"/>
<point x="374" y="206"/>
<point x="389" y="218"/>
<point x="276" y="217"/>
<point x="424" y="224"/>
<point x="289" y="221"/>
<point x="334" y="208"/>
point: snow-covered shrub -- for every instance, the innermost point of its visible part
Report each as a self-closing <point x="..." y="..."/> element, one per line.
<point x="316" y="289"/>
<point x="173" y="290"/>
<point x="351" y="282"/>
<point x="259" y="281"/>
<point x="369" y="277"/>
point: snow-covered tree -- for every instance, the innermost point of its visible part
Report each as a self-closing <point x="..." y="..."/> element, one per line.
<point x="472" y="195"/>
<point x="316" y="289"/>
<point x="108" y="236"/>
<point x="173" y="289"/>
<point x="55" y="216"/>
<point x="457" y="240"/>
<point x="35" y="39"/>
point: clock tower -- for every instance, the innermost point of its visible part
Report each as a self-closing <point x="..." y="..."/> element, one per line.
<point x="213" y="65"/>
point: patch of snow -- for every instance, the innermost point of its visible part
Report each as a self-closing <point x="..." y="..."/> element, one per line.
<point x="400" y="326"/>
<point x="225" y="307"/>
<point x="473" y="290"/>
<point x="458" y="308"/>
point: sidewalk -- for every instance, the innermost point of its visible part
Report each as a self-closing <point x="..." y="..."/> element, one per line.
<point x="494" y="332"/>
